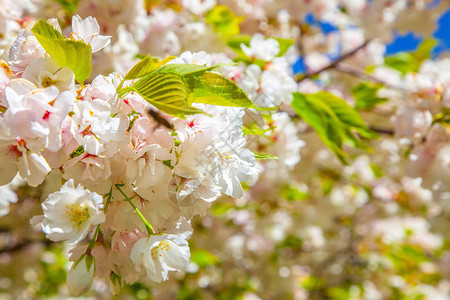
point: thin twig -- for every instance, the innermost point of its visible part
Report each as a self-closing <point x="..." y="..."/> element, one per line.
<point x="335" y="62"/>
<point x="360" y="74"/>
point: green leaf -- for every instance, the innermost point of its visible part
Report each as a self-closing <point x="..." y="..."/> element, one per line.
<point x="443" y="117"/>
<point x="184" y="69"/>
<point x="285" y="44"/>
<point x="172" y="88"/>
<point x="167" y="92"/>
<point x="424" y="51"/>
<point x="76" y="55"/>
<point x="235" y="44"/>
<point x="203" y="257"/>
<point x="224" y="20"/>
<point x="69" y="6"/>
<point x="334" y="121"/>
<point x="405" y="62"/>
<point x="216" y="89"/>
<point x="254" y="129"/>
<point x="366" y="97"/>
<point x="264" y="156"/>
<point x="168" y="163"/>
<point x="145" y="66"/>
<point x="376" y="170"/>
<point x="291" y="193"/>
<point x="219" y="209"/>
<point x="311" y="283"/>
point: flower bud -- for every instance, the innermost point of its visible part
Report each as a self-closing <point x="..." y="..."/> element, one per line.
<point x="80" y="277"/>
<point x="114" y="284"/>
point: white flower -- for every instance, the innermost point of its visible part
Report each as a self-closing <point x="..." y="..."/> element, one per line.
<point x="24" y="49"/>
<point x="70" y="213"/>
<point x="45" y="72"/>
<point x="95" y="129"/>
<point x="18" y="156"/>
<point x="88" y="31"/>
<point x="7" y="196"/>
<point x="197" y="58"/>
<point x="199" y="7"/>
<point x="261" y="48"/>
<point x="159" y="254"/>
<point x="81" y="275"/>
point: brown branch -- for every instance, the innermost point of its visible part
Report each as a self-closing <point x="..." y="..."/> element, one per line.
<point x="357" y="73"/>
<point x="336" y="62"/>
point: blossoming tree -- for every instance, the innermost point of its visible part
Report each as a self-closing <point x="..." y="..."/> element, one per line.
<point x="155" y="141"/>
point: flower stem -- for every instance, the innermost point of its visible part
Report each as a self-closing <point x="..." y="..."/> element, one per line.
<point x="92" y="243"/>
<point x="108" y="200"/>
<point x="148" y="226"/>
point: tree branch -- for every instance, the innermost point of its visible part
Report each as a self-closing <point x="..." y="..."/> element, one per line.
<point x="336" y="62"/>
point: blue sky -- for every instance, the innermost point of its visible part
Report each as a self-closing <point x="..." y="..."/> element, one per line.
<point x="406" y="42"/>
<point x="410" y="41"/>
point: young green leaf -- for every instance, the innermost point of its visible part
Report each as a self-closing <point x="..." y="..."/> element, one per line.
<point x="334" y="121"/>
<point x="184" y="69"/>
<point x="254" y="129"/>
<point x="264" y="156"/>
<point x="145" y="66"/>
<point x="76" y="55"/>
<point x="167" y="92"/>
<point x="216" y="89"/>
<point x="224" y="20"/>
<point x="235" y="43"/>
<point x="366" y="97"/>
<point x="285" y="44"/>
<point x="405" y="62"/>
<point x="69" y="6"/>
<point x="203" y="257"/>
<point x="424" y="51"/>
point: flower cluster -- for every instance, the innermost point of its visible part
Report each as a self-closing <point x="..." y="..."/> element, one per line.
<point x="137" y="177"/>
<point x="349" y="199"/>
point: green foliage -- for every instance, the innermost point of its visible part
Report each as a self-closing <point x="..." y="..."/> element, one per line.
<point x="172" y="88"/>
<point x="143" y="67"/>
<point x="167" y="92"/>
<point x="224" y="20"/>
<point x="292" y="193"/>
<point x="376" y="170"/>
<point x="339" y="293"/>
<point x="264" y="156"/>
<point x="77" y="152"/>
<point x="284" y="44"/>
<point x="52" y="273"/>
<point x="313" y="283"/>
<point x="76" y="55"/>
<point x="405" y="62"/>
<point x="365" y="95"/>
<point x="187" y="292"/>
<point x="219" y="209"/>
<point x="406" y="258"/>
<point x="213" y="88"/>
<point x="69" y="6"/>
<point x="442" y="117"/>
<point x="254" y="129"/>
<point x="203" y="257"/>
<point x="334" y="120"/>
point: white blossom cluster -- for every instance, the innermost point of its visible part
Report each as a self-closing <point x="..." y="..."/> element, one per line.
<point x="139" y="181"/>
<point x="302" y="226"/>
